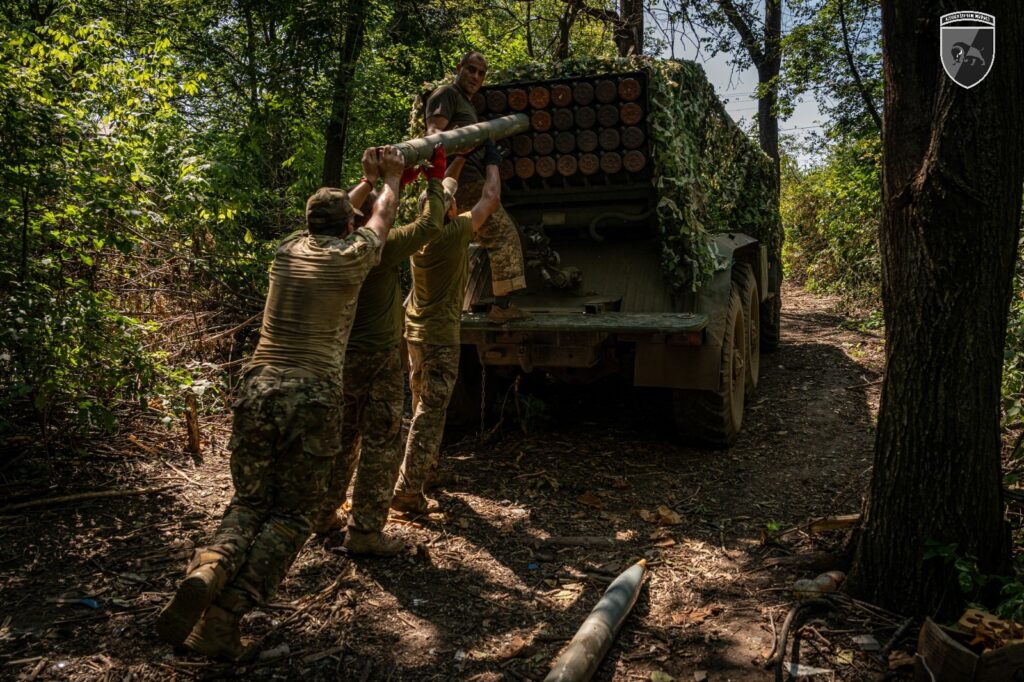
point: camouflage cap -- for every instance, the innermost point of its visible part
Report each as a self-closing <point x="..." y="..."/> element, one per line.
<point x="451" y="186"/>
<point x="329" y="205"/>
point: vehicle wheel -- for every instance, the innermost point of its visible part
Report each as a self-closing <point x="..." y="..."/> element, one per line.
<point x="714" y="417"/>
<point x="771" y="310"/>
<point x="746" y="285"/>
<point x="464" y="407"/>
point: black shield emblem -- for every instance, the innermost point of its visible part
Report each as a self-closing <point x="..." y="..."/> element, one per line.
<point x="967" y="46"/>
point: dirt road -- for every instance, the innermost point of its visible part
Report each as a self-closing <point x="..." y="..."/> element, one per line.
<point x="479" y="597"/>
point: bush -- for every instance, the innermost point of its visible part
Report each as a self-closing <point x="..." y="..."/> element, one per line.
<point x="831" y="214"/>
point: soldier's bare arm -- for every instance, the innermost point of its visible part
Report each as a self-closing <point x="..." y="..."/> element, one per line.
<point x="436" y="124"/>
<point x="384" y="209"/>
<point x="455" y="167"/>
<point x="490" y="196"/>
<point x="371" y="170"/>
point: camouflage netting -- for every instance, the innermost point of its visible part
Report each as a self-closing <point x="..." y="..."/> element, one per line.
<point x="709" y="175"/>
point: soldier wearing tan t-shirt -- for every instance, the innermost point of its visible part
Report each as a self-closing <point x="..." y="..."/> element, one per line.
<point x="432" y="321"/>
<point x="287" y="420"/>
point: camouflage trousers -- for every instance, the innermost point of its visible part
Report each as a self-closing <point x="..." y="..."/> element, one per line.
<point x="434" y="370"/>
<point x="371" y="435"/>
<point x="501" y="239"/>
<point x="287" y="427"/>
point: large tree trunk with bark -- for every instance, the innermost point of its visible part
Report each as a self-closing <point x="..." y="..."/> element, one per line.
<point x="337" y="125"/>
<point x="952" y="180"/>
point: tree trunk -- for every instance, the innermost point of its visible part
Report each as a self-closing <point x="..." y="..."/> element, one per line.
<point x="629" y="31"/>
<point x="565" y="24"/>
<point x="767" y="77"/>
<point x="767" y="59"/>
<point x="337" y="125"/>
<point x="952" y="177"/>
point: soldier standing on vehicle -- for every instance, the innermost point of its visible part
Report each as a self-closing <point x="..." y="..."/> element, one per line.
<point x="374" y="387"/>
<point x="447" y="108"/>
<point x="433" y="315"/>
<point x="287" y="420"/>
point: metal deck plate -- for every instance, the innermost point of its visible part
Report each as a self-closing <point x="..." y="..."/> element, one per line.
<point x="612" y="323"/>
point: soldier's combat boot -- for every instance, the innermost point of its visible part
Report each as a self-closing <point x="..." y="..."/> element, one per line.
<point x="504" y="311"/>
<point x="217" y="636"/>
<point x="437" y="479"/>
<point x="414" y="503"/>
<point x="194" y="595"/>
<point x="372" y="543"/>
<point x="330" y="522"/>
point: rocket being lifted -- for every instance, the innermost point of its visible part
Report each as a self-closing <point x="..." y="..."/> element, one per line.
<point x="461" y="139"/>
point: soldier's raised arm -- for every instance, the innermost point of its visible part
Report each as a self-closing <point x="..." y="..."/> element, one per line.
<point x="384" y="209"/>
<point x="490" y="196"/>
<point x="371" y="171"/>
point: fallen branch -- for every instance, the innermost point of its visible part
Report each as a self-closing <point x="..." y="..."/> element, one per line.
<point x="778" y="654"/>
<point x="579" y="541"/>
<point x="866" y="384"/>
<point x="834" y="523"/>
<point x="79" y="497"/>
<point x="181" y="473"/>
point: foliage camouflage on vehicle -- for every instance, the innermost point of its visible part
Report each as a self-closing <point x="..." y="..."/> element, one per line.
<point x="709" y="175"/>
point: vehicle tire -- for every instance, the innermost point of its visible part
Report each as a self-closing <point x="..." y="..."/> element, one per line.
<point x="714" y="418"/>
<point x="746" y="285"/>
<point x="464" y="407"/>
<point x="771" y="310"/>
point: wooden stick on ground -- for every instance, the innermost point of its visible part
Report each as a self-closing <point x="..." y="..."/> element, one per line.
<point x="579" y="541"/>
<point x="181" y="473"/>
<point x="192" y="424"/>
<point x="79" y="497"/>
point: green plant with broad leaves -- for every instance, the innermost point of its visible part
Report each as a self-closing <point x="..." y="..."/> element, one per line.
<point x="831" y="213"/>
<point x="81" y="121"/>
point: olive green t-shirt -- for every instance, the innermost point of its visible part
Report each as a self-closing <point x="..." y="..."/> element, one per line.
<point x="378" y="323"/>
<point x="314" y="283"/>
<point x="451" y="103"/>
<point x="439" y="273"/>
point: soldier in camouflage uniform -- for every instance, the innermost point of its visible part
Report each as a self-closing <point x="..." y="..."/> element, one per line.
<point x="447" y="108"/>
<point x="374" y="388"/>
<point x="433" y="315"/>
<point x="287" y="420"/>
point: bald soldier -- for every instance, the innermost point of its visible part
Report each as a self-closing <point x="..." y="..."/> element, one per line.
<point x="287" y="420"/>
<point x="374" y="378"/>
<point x="432" y="321"/>
<point x="448" y="108"/>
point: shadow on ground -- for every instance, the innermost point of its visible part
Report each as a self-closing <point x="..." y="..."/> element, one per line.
<point x="479" y="596"/>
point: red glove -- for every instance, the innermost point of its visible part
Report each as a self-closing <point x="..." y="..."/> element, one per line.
<point x="409" y="174"/>
<point x="438" y="164"/>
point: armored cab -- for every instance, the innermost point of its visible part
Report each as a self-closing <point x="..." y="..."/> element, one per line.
<point x="650" y="229"/>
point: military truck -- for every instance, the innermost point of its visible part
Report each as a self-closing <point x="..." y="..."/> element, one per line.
<point x="587" y="182"/>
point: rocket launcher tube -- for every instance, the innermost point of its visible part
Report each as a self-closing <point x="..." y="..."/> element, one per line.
<point x="462" y="139"/>
<point x="594" y="638"/>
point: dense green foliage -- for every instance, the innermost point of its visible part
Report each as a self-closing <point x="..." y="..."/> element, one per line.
<point x="152" y="152"/>
<point x="1013" y="366"/>
<point x="82" y="146"/>
<point x="832" y="210"/>
<point x="831" y="214"/>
